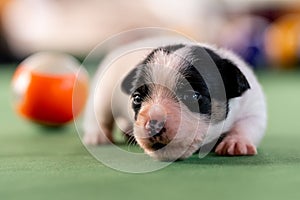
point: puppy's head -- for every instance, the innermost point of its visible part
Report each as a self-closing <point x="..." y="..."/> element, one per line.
<point x="170" y="94"/>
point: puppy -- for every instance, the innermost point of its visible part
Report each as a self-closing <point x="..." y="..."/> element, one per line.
<point x="177" y="99"/>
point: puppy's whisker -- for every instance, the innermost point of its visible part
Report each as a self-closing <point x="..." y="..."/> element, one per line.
<point x="129" y="132"/>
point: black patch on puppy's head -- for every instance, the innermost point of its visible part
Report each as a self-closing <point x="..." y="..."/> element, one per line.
<point x="235" y="82"/>
<point x="166" y="49"/>
<point x="199" y="71"/>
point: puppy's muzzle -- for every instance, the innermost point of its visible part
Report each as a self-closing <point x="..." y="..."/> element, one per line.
<point x="157" y="119"/>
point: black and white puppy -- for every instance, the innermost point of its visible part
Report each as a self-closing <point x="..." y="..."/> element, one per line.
<point x="173" y="100"/>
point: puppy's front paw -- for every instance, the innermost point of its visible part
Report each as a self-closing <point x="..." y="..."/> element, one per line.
<point x="95" y="139"/>
<point x="236" y="146"/>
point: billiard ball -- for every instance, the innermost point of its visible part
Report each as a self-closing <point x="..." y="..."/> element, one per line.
<point x="282" y="41"/>
<point x="245" y="36"/>
<point x="50" y="88"/>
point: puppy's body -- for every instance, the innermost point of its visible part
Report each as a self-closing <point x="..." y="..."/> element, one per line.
<point x="171" y="109"/>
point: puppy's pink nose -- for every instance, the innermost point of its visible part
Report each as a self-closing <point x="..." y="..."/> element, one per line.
<point x="157" y="120"/>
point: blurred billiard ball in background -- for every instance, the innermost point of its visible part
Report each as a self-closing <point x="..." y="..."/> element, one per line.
<point x="50" y="88"/>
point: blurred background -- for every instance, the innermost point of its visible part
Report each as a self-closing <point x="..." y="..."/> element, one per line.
<point x="266" y="33"/>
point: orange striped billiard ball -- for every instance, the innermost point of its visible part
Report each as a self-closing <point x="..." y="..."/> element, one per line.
<point x="50" y="88"/>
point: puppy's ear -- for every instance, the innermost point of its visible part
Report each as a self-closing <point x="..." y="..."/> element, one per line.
<point x="234" y="80"/>
<point x="127" y="84"/>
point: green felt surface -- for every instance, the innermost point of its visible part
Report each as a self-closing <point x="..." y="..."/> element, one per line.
<point x="40" y="163"/>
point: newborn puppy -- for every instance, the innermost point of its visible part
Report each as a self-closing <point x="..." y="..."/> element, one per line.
<point x="181" y="97"/>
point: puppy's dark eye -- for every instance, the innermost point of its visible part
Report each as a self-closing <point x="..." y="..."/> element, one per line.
<point x="137" y="98"/>
<point x="190" y="96"/>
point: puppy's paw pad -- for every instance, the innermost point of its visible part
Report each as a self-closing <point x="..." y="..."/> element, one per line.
<point x="236" y="146"/>
<point x="95" y="139"/>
